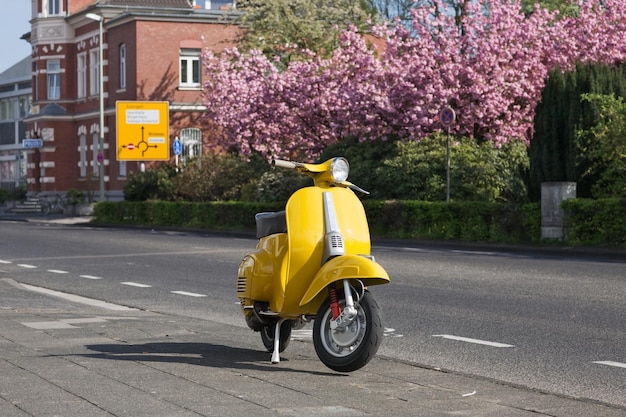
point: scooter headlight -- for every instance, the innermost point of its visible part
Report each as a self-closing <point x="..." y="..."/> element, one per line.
<point x="339" y="169"/>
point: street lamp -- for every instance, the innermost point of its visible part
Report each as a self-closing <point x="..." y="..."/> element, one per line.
<point x="100" y="20"/>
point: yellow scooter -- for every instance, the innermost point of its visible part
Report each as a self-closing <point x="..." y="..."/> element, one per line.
<point x="313" y="262"/>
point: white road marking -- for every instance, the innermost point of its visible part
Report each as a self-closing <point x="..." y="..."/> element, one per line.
<point x="57" y="271"/>
<point x="27" y="266"/>
<point x="136" y="284"/>
<point x="189" y="294"/>
<point x="390" y="332"/>
<point x="89" y="277"/>
<point x="476" y="341"/>
<point x="302" y="334"/>
<point x="5" y="262"/>
<point x="49" y="325"/>
<point x="611" y="363"/>
<point x="78" y="298"/>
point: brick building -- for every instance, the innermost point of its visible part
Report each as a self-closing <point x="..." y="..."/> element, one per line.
<point x="151" y="52"/>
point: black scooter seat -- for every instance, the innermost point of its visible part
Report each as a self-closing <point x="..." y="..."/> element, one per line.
<point x="269" y="223"/>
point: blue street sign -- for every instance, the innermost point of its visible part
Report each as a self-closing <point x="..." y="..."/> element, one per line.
<point x="32" y="143"/>
<point x="178" y="147"/>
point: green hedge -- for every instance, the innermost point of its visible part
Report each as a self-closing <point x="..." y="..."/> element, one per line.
<point x="596" y="222"/>
<point x="588" y="222"/>
<point x="471" y="221"/>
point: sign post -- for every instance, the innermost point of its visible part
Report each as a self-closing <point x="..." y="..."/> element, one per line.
<point x="178" y="149"/>
<point x="447" y="117"/>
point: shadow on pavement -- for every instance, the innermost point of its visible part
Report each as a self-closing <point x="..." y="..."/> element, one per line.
<point x="202" y="354"/>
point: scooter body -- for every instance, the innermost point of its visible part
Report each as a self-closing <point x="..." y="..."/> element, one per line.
<point x="312" y="261"/>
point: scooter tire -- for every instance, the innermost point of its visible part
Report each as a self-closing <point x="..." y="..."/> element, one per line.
<point x="267" y="336"/>
<point x="353" y="349"/>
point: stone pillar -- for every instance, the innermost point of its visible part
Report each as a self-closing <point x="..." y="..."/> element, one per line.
<point x="552" y="194"/>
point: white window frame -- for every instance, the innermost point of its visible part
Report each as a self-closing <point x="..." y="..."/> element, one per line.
<point x="53" y="77"/>
<point x="81" y="75"/>
<point x="54" y="7"/>
<point x="94" y="72"/>
<point x="190" y="68"/>
<point x="123" y="66"/>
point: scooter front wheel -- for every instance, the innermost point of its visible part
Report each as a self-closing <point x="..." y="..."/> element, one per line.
<point x="268" y="335"/>
<point x="351" y="348"/>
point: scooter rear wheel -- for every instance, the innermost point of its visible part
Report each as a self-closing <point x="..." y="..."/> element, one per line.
<point x="354" y="347"/>
<point x="268" y="332"/>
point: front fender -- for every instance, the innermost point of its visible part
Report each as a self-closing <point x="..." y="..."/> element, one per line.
<point x="345" y="267"/>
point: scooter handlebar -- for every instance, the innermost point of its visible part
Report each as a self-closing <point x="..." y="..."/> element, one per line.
<point x="284" y="164"/>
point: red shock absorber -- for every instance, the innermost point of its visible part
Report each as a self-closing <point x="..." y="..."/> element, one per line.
<point x="335" y="308"/>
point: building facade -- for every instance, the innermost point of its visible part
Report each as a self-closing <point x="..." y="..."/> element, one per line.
<point x="152" y="51"/>
<point x="15" y="103"/>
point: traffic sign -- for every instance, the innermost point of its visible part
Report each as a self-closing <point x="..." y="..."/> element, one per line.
<point x="447" y="116"/>
<point x="142" y="130"/>
<point x="178" y="147"/>
<point x="32" y="143"/>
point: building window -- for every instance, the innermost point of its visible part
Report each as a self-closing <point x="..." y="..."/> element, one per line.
<point x="54" y="7"/>
<point x="24" y="106"/>
<point x="53" y="70"/>
<point x="82" y="149"/>
<point x="94" y="72"/>
<point x="4" y="110"/>
<point x="123" y="66"/>
<point x="81" y="75"/>
<point x="190" y="68"/>
<point x="123" y="169"/>
<point x="94" y="153"/>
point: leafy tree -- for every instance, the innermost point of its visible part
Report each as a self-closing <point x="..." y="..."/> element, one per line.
<point x="604" y="147"/>
<point x="565" y="7"/>
<point x="289" y="29"/>
<point x="558" y="150"/>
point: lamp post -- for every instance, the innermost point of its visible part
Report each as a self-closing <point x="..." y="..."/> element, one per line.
<point x="100" y="20"/>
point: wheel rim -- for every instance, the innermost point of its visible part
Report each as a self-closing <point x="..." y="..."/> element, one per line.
<point x="343" y="343"/>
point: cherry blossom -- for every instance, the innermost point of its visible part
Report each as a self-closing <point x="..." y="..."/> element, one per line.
<point x="490" y="67"/>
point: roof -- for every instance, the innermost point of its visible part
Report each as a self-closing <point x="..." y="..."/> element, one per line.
<point x="20" y="71"/>
<point x="52" y="109"/>
<point x="166" y="4"/>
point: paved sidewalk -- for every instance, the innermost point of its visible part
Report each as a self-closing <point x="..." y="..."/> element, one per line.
<point x="65" y="358"/>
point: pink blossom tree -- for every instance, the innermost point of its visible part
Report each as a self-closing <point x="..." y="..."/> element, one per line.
<point x="486" y="59"/>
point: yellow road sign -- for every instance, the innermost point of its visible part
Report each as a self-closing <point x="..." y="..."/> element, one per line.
<point x="143" y="130"/>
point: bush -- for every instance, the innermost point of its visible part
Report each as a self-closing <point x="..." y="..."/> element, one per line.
<point x="595" y="222"/>
<point x="417" y="170"/>
<point x="218" y="177"/>
<point x="153" y="184"/>
<point x="74" y="197"/>
<point x="278" y="184"/>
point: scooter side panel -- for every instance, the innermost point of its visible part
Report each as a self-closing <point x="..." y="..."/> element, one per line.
<point x="261" y="267"/>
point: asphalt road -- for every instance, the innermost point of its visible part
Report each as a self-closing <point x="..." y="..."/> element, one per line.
<point x="548" y="321"/>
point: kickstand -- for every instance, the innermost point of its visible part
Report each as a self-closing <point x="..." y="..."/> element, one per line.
<point x="276" y="352"/>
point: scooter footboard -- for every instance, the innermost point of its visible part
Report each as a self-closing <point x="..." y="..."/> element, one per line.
<point x="345" y="267"/>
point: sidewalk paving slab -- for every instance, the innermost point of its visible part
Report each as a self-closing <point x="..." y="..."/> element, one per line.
<point x="59" y="358"/>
